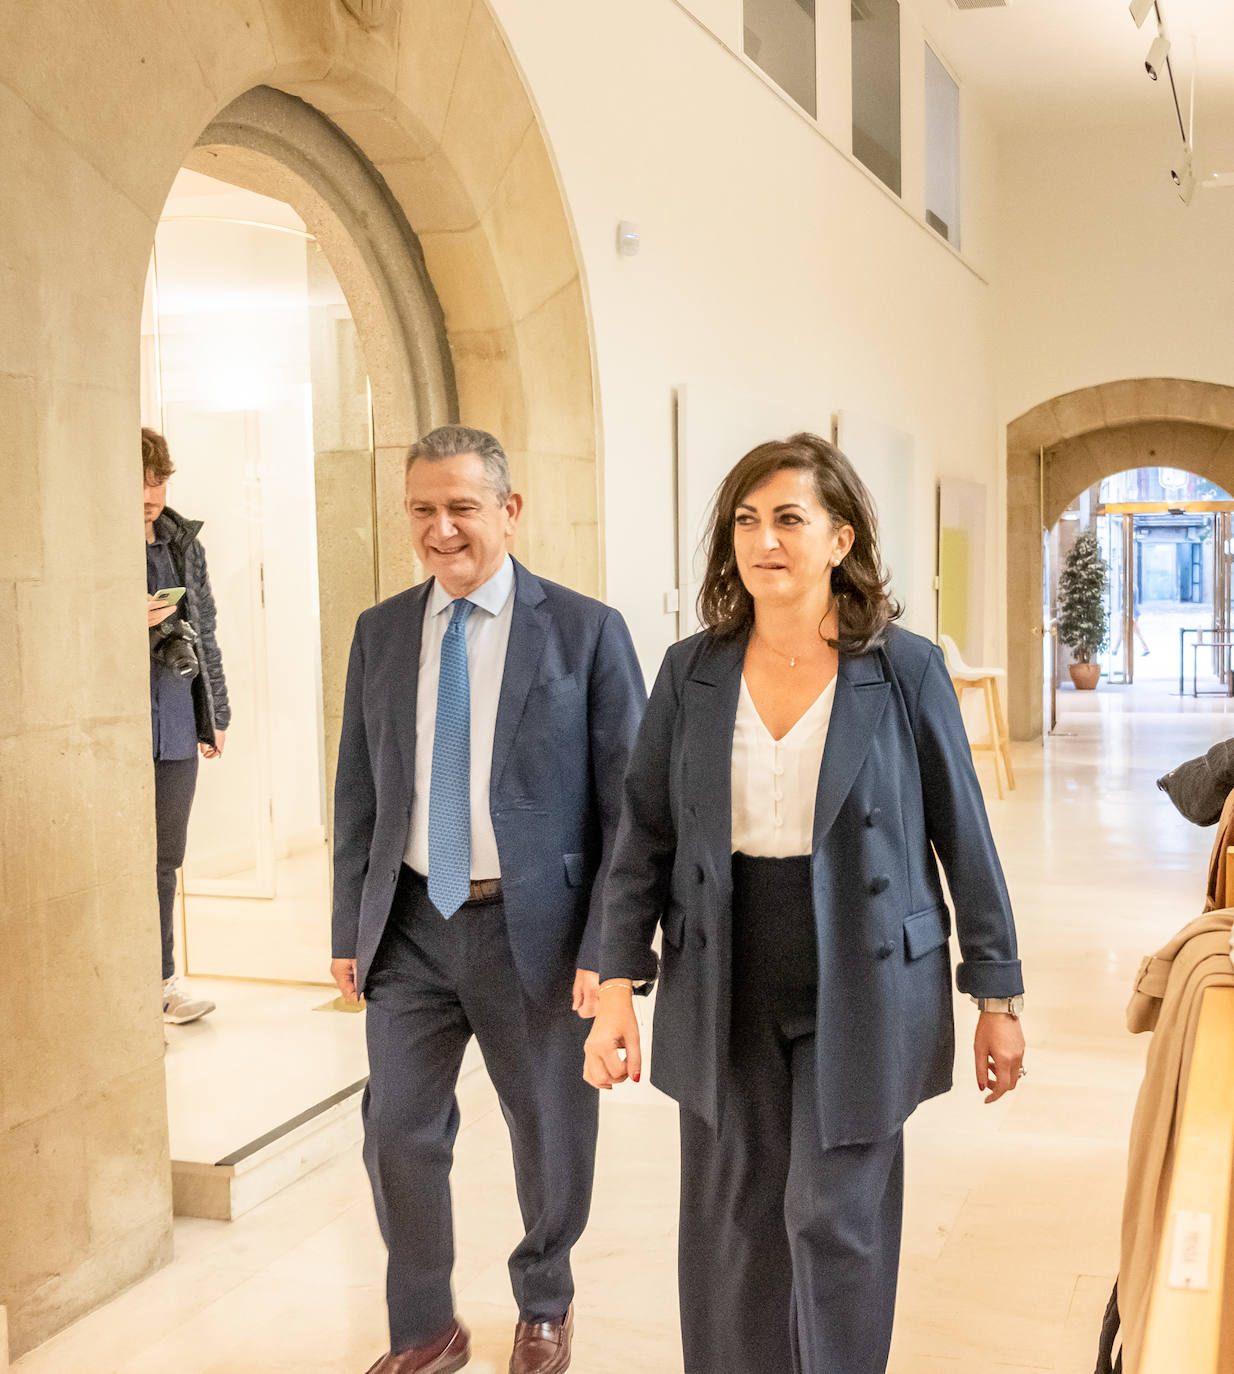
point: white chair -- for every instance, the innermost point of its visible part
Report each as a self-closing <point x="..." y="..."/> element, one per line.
<point x="984" y="680"/>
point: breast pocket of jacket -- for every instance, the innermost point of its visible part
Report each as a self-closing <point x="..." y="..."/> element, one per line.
<point x="557" y="689"/>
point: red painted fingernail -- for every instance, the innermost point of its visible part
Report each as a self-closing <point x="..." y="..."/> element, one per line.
<point x="634" y="1076"/>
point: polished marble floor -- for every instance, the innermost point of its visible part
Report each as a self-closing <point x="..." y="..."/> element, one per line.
<point x="1012" y="1213"/>
<point x="266" y="1054"/>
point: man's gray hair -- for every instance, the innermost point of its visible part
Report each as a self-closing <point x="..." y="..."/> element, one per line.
<point x="450" y="441"/>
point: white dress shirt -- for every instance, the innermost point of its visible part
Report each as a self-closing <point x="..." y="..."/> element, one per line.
<point x="488" y="636"/>
<point x="775" y="782"/>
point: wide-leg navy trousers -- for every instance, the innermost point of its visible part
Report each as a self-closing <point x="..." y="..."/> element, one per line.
<point x="788" y="1252"/>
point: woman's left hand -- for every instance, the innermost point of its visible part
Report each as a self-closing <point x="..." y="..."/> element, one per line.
<point x="998" y="1048"/>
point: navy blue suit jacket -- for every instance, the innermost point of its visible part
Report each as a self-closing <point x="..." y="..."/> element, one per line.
<point x="572" y="696"/>
<point x="896" y="787"/>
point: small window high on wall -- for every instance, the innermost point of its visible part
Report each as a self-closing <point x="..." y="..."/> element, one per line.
<point x="780" y="38"/>
<point x="876" y="88"/>
<point x="942" y="151"/>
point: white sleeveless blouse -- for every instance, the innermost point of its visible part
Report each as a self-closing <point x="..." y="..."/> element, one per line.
<point x="775" y="782"/>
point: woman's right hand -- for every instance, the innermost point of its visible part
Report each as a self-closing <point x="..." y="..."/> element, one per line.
<point x="615" y="1028"/>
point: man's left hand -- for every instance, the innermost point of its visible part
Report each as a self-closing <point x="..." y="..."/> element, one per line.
<point x="215" y="751"/>
<point x="586" y="993"/>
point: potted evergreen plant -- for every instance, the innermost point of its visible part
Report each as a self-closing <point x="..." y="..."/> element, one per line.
<point x="1082" y="622"/>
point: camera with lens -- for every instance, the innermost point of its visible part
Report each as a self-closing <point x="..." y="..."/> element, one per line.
<point x="173" y="643"/>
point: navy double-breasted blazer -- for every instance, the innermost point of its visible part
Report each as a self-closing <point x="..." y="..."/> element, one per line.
<point x="896" y="788"/>
<point x="572" y="696"/>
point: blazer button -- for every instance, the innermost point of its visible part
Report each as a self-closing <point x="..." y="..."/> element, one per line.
<point x="880" y="884"/>
<point x="872" y="816"/>
<point x="699" y="875"/>
<point x="885" y="950"/>
<point x="698" y="939"/>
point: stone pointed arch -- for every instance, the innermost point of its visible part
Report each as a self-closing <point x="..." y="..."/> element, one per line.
<point x="430" y="93"/>
<point x="1065" y="445"/>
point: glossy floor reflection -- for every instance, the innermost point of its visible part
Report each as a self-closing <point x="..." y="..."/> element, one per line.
<point x="222" y="1090"/>
<point x="1013" y="1211"/>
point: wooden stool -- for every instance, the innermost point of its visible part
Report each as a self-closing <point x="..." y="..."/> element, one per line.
<point x="985" y="680"/>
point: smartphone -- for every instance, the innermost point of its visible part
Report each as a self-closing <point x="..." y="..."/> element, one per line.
<point x="169" y="594"/>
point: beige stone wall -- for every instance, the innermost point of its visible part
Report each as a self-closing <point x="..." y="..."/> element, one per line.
<point x="101" y="104"/>
<point x="1086" y="436"/>
<point x="434" y="98"/>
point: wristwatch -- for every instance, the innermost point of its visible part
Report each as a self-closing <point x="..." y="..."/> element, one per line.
<point x="1008" y="1006"/>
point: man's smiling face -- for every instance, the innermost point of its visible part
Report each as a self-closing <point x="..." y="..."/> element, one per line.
<point x="461" y="526"/>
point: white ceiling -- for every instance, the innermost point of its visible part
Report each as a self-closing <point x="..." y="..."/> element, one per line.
<point x="1082" y="61"/>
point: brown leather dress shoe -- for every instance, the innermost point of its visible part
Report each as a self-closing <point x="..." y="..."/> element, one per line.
<point x="543" y="1347"/>
<point x="450" y="1351"/>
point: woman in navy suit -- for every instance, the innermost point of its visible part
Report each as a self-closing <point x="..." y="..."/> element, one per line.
<point x="801" y="764"/>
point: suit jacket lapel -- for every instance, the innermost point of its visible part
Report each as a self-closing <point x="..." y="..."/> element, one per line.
<point x="406" y="665"/>
<point x="710" y="697"/>
<point x="529" y="628"/>
<point x="862" y="691"/>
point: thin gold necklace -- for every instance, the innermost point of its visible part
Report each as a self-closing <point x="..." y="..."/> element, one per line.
<point x="792" y="658"/>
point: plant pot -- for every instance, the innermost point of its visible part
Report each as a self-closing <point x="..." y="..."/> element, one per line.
<point x="1084" y="675"/>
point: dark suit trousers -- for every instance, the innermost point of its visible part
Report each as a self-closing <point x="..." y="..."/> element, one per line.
<point x="433" y="985"/>
<point x="788" y="1252"/>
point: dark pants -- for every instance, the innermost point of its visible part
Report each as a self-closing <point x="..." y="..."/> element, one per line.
<point x="788" y="1252"/>
<point x="175" y="781"/>
<point x="434" y="984"/>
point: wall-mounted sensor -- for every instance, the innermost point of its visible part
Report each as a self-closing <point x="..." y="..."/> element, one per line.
<point x="627" y="239"/>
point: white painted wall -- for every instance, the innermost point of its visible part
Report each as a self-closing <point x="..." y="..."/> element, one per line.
<point x="1104" y="273"/>
<point x="772" y="267"/>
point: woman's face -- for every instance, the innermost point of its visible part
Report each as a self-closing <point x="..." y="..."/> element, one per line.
<point x="785" y="542"/>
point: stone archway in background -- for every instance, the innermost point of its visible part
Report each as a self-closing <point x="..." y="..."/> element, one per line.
<point x="430" y="94"/>
<point x="1086" y="436"/>
<point x="276" y="145"/>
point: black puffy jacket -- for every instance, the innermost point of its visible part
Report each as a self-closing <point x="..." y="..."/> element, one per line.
<point x="211" y="708"/>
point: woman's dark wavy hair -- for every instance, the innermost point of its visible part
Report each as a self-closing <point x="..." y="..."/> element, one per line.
<point x="860" y="582"/>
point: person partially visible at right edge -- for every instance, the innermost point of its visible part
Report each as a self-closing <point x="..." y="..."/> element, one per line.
<point x="801" y="764"/>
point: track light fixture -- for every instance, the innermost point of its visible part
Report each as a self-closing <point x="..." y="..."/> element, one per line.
<point x="1154" y="63"/>
<point x="1157" y="61"/>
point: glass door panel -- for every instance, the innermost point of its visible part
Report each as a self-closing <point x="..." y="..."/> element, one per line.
<point x="1118" y="551"/>
<point x="262" y="395"/>
<point x="1223" y="592"/>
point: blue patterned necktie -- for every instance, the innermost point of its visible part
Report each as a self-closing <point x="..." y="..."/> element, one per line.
<point x="449" y="798"/>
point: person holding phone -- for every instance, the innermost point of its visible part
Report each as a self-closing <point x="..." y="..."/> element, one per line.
<point x="801" y="764"/>
<point x="189" y="709"/>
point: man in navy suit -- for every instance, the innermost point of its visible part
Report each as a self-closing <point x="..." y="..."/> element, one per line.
<point x="488" y="719"/>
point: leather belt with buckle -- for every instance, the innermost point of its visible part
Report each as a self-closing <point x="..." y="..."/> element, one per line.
<point x="484" y="889"/>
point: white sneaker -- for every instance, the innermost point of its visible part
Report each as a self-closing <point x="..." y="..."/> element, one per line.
<point x="179" y="1007"/>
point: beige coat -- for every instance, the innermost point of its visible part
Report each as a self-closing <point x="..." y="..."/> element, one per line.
<point x="1168" y="991"/>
